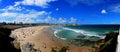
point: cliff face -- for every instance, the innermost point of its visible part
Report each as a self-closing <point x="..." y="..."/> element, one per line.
<point x="5" y="41"/>
<point x="8" y="44"/>
<point x="110" y="43"/>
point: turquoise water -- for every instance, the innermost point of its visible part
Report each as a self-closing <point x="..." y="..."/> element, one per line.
<point x="84" y="32"/>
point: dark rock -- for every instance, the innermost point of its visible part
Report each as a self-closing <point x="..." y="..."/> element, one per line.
<point x="5" y="41"/>
<point x="94" y="38"/>
<point x="110" y="43"/>
<point x="63" y="49"/>
<point x="81" y="36"/>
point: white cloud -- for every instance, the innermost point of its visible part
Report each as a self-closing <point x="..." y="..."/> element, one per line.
<point x="103" y="11"/>
<point x="30" y="14"/>
<point x="72" y="20"/>
<point x="115" y="8"/>
<point x="17" y="3"/>
<point x="61" y="20"/>
<point x="18" y="13"/>
<point x="41" y="3"/>
<point x="20" y="17"/>
<point x="50" y="19"/>
<point x="34" y="17"/>
<point x="7" y="14"/>
<point x="13" y="8"/>
<point x="57" y="9"/>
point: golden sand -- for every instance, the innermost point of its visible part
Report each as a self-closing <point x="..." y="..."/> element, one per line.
<point x="43" y="39"/>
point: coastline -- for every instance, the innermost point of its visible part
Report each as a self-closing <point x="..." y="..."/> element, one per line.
<point x="42" y="38"/>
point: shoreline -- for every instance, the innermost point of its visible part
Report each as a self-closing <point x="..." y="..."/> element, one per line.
<point x="42" y="37"/>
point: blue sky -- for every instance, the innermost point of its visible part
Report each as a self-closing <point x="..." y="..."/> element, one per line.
<point x="61" y="11"/>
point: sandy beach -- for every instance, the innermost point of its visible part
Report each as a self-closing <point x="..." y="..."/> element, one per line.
<point x="42" y="38"/>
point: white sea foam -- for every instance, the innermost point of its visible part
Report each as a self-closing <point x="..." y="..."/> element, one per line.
<point x="55" y="34"/>
<point x="83" y="32"/>
<point x="87" y="33"/>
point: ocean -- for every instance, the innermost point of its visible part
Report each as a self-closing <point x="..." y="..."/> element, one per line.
<point x="83" y="33"/>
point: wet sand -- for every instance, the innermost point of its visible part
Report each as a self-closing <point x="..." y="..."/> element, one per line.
<point x="42" y="38"/>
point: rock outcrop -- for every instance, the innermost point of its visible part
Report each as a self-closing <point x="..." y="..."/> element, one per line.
<point x="110" y="43"/>
<point x="27" y="47"/>
<point x="5" y="41"/>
